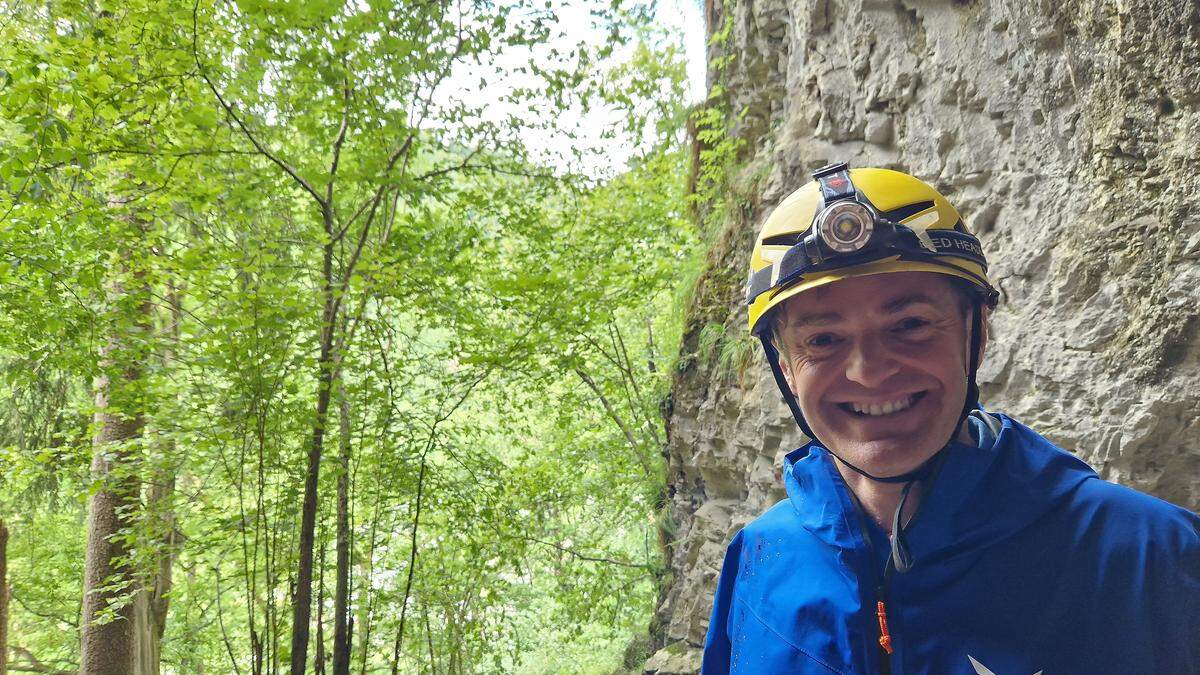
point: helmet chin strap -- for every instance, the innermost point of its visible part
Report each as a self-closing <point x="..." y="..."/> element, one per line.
<point x="901" y="558"/>
<point x="918" y="473"/>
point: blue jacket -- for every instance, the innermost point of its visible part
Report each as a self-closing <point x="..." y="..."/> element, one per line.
<point x="1025" y="562"/>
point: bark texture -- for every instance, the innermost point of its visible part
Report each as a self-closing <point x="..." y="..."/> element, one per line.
<point x="153" y="597"/>
<point x="1065" y="134"/>
<point x="341" y="598"/>
<point x="302" y="607"/>
<point x="115" y="626"/>
<point x="108" y="629"/>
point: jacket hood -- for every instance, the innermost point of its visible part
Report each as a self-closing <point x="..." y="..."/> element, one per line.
<point x="979" y="495"/>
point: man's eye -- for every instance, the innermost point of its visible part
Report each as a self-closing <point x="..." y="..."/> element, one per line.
<point x="821" y="340"/>
<point x="910" y="324"/>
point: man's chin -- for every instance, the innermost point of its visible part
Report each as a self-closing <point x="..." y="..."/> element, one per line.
<point x="887" y="457"/>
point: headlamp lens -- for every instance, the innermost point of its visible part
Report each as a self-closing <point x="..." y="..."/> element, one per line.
<point x="846" y="226"/>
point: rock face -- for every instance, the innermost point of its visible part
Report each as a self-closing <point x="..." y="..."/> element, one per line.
<point x="1066" y="134"/>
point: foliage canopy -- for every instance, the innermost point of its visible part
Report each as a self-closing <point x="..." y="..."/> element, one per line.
<point x="359" y="323"/>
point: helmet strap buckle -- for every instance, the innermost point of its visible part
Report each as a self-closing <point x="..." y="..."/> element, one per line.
<point x="812" y="248"/>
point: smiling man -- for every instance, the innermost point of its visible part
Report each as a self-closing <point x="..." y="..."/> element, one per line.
<point x="922" y="534"/>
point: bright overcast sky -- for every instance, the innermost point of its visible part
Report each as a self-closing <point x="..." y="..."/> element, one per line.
<point x="686" y="18"/>
<point x="681" y="18"/>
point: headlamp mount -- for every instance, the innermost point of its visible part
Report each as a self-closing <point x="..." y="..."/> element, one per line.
<point x="845" y="223"/>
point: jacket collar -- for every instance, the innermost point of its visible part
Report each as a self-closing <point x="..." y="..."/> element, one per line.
<point x="978" y="496"/>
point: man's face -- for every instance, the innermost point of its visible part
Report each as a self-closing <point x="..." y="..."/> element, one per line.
<point x="879" y="366"/>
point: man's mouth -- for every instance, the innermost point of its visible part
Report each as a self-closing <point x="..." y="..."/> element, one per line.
<point x="883" y="408"/>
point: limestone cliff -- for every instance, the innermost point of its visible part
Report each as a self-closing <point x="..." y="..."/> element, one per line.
<point x="1066" y="132"/>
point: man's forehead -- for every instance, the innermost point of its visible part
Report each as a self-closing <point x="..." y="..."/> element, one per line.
<point x="882" y="293"/>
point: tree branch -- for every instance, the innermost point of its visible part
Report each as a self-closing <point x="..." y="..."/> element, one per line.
<point x="412" y="561"/>
<point x="412" y="556"/>
<point x="262" y="149"/>
<point x="341" y="138"/>
<point x="465" y="165"/>
<point x="400" y="150"/>
<point x="587" y="379"/>
<point x="42" y="615"/>
<point x="347" y="336"/>
<point x="635" y="398"/>
<point x="32" y="665"/>
<point x="348" y="270"/>
<point x="589" y="558"/>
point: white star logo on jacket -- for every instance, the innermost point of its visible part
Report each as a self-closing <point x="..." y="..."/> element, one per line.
<point x="984" y="670"/>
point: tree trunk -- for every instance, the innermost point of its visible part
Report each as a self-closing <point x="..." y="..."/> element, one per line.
<point x="108" y="616"/>
<point x="110" y="583"/>
<point x="3" y="599"/>
<point x="412" y="560"/>
<point x="367" y="571"/>
<point x="320" y="656"/>
<point x="302" y="610"/>
<point x="152" y="600"/>
<point x="146" y="650"/>
<point x="341" y="611"/>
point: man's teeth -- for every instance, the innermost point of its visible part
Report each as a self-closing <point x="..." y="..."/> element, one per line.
<point x="885" y="408"/>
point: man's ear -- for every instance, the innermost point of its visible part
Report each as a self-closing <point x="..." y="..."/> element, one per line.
<point x="984" y="313"/>
<point x="785" y="366"/>
<point x="983" y="334"/>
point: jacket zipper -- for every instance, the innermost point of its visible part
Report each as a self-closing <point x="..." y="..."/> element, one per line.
<point x="881" y="582"/>
<point x="885" y="635"/>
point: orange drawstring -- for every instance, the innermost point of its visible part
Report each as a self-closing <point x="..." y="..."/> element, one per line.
<point x="885" y="639"/>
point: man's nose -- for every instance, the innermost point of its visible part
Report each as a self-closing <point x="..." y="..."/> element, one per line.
<point x="869" y="363"/>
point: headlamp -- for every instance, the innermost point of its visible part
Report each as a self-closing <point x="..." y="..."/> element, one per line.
<point x="845" y="226"/>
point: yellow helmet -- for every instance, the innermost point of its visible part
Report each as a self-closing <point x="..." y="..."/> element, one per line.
<point x="859" y="222"/>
